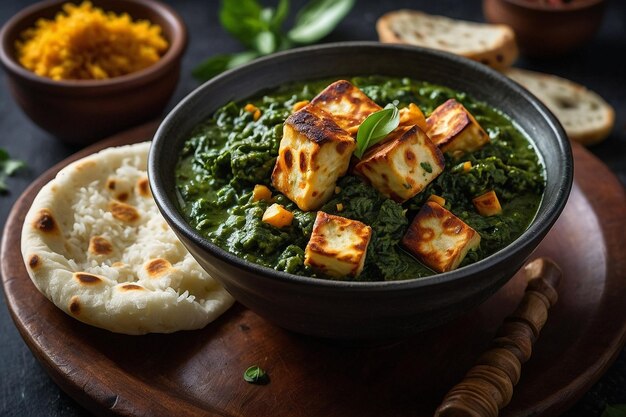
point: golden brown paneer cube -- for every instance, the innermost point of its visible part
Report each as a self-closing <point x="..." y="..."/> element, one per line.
<point x="455" y="130"/>
<point x="439" y="239"/>
<point x="487" y="204"/>
<point x="313" y="153"/>
<point x="347" y="105"/>
<point x="403" y="165"/>
<point x="338" y="246"/>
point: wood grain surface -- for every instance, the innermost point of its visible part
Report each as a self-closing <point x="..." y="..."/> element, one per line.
<point x="200" y="372"/>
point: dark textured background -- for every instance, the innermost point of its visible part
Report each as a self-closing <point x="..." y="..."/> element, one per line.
<point x="26" y="390"/>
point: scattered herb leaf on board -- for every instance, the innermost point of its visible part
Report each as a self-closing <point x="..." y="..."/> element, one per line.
<point x="618" y="410"/>
<point x="260" y="30"/>
<point x="8" y="167"/>
<point x="375" y="127"/>
<point x="255" y="375"/>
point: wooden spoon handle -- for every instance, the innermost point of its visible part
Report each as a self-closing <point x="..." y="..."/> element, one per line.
<point x="488" y="386"/>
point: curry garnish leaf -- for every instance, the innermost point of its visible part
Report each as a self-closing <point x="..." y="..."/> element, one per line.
<point x="374" y="129"/>
<point x="8" y="167"/>
<point x="260" y="29"/>
<point x="265" y="42"/>
<point x="618" y="410"/>
<point x="242" y="19"/>
<point x="317" y="19"/>
<point x="220" y="63"/>
<point x="279" y="15"/>
<point x="255" y="375"/>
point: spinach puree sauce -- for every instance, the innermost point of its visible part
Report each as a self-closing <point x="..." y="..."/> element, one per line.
<point x="229" y="153"/>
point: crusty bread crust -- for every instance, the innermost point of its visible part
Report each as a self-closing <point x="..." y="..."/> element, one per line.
<point x="491" y="44"/>
<point x="586" y="117"/>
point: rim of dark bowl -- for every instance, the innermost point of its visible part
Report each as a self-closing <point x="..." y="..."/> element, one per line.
<point x="177" y="46"/>
<point x="539" y="224"/>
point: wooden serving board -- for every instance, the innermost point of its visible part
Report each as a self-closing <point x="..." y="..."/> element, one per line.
<point x="200" y="372"/>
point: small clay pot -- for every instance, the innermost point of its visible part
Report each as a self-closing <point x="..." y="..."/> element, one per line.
<point x="544" y="30"/>
<point x="83" y="111"/>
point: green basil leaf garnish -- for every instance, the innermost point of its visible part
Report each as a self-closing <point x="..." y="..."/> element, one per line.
<point x="317" y="19"/>
<point x="282" y="9"/>
<point x="242" y="19"/>
<point x="260" y="29"/>
<point x="255" y="375"/>
<point x="265" y="42"/>
<point x="376" y="127"/>
<point x="8" y="167"/>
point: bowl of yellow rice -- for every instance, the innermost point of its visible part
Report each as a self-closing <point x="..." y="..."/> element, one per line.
<point x="83" y="71"/>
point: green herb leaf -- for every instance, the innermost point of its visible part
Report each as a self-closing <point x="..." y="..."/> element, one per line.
<point x="317" y="19"/>
<point x="618" y="410"/>
<point x="282" y="10"/>
<point x="8" y="167"/>
<point x="243" y="20"/>
<point x="265" y="42"/>
<point x="220" y="63"/>
<point x="255" y="375"/>
<point x="377" y="125"/>
<point x="426" y="167"/>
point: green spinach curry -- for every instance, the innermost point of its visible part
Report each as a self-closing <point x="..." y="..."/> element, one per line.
<point x="231" y="152"/>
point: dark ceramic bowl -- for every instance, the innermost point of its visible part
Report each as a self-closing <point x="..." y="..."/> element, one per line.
<point x="82" y="111"/>
<point x="352" y="310"/>
<point x="544" y="30"/>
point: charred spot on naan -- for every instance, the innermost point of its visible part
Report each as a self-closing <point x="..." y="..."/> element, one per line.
<point x="74" y="305"/>
<point x="120" y="188"/>
<point x="98" y="245"/>
<point x="143" y="187"/>
<point x="45" y="223"/>
<point x="123" y="212"/>
<point x="85" y="278"/>
<point x="34" y="261"/>
<point x="131" y="287"/>
<point x="157" y="267"/>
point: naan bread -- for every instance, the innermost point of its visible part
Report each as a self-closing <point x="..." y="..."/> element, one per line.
<point x="95" y="244"/>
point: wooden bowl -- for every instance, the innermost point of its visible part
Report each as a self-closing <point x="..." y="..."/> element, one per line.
<point x="547" y="30"/>
<point x="83" y="111"/>
<point x="357" y="310"/>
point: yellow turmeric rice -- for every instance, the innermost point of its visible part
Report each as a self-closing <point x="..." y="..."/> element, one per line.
<point x="85" y="43"/>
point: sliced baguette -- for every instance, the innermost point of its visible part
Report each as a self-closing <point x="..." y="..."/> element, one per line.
<point x="586" y="117"/>
<point x="491" y="44"/>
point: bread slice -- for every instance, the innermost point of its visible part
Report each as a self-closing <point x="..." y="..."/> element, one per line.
<point x="491" y="44"/>
<point x="586" y="117"/>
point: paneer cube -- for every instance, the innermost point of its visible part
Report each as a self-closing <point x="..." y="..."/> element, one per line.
<point x="347" y="105"/>
<point x="277" y="216"/>
<point x="455" y="130"/>
<point x="487" y="204"/>
<point x="439" y="239"/>
<point x="338" y="246"/>
<point x="403" y="165"/>
<point x="313" y="153"/>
